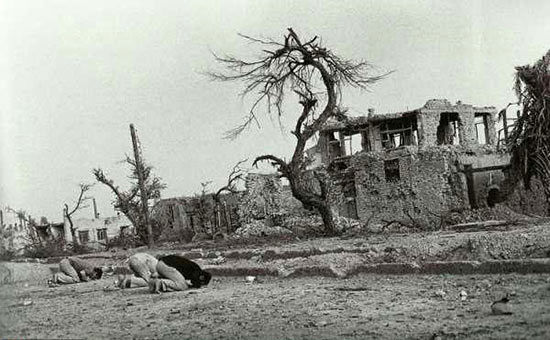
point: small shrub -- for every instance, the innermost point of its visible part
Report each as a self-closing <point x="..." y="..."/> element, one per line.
<point x="7" y="255"/>
<point x="50" y="248"/>
<point x="125" y="241"/>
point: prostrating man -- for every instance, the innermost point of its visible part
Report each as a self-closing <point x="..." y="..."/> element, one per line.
<point x="143" y="266"/>
<point x="74" y="270"/>
<point x="174" y="271"/>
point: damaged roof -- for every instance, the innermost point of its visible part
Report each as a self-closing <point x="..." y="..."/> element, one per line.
<point x="432" y="104"/>
<point x="350" y="122"/>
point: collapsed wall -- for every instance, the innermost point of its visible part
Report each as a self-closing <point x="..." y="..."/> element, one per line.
<point x="421" y="187"/>
<point x="266" y="198"/>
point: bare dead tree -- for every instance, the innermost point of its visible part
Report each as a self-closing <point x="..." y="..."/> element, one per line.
<point x="129" y="202"/>
<point x="237" y="173"/>
<point x="204" y="208"/>
<point x="79" y="204"/>
<point x="315" y="74"/>
<point x="29" y="225"/>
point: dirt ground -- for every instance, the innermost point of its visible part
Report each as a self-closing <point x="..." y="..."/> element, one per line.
<point x="365" y="306"/>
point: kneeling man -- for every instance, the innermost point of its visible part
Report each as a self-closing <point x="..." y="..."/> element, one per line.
<point x="74" y="270"/>
<point x="174" y="272"/>
<point x="143" y="266"/>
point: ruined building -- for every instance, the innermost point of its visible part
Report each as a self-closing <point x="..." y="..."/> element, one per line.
<point x="181" y="218"/>
<point x="415" y="165"/>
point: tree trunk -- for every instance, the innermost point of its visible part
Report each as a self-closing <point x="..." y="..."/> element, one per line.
<point x="144" y="198"/>
<point x="546" y="185"/>
<point x="302" y="192"/>
<point x="71" y="228"/>
<point x="328" y="219"/>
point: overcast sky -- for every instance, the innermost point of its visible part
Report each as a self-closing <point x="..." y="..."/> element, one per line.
<point x="75" y="74"/>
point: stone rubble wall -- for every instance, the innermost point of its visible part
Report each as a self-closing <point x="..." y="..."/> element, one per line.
<point x="426" y="188"/>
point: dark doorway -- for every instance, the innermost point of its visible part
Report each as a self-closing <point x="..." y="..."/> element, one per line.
<point x="493" y="197"/>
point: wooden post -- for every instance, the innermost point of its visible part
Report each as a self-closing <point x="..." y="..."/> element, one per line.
<point x="144" y="199"/>
<point x="505" y="125"/>
<point x="227" y="217"/>
<point x="96" y="214"/>
<point x="468" y="171"/>
<point x="342" y="144"/>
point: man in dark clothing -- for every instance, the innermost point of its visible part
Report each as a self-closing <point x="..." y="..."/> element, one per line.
<point x="173" y="273"/>
<point x="74" y="270"/>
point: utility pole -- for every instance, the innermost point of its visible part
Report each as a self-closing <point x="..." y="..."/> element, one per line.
<point x="96" y="214"/>
<point x="144" y="198"/>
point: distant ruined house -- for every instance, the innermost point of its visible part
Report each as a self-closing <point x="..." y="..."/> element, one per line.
<point x="181" y="218"/>
<point x="98" y="231"/>
<point x="20" y="232"/>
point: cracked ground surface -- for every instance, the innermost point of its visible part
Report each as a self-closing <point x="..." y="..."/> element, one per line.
<point x="364" y="306"/>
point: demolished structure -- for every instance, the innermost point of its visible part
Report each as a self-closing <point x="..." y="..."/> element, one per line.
<point x="98" y="231"/>
<point x="414" y="166"/>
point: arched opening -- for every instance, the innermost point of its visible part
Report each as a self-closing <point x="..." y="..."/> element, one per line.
<point x="493" y="197"/>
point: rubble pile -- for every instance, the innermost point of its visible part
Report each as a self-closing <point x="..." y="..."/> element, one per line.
<point x="302" y="223"/>
<point x="257" y="228"/>
<point x="499" y="212"/>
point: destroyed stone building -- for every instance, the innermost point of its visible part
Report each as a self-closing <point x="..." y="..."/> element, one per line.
<point x="266" y="197"/>
<point x="262" y="204"/>
<point x="182" y="218"/>
<point x="414" y="166"/>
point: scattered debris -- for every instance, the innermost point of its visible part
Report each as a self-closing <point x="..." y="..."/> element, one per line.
<point x="258" y="228"/>
<point x="436" y="336"/>
<point x="501" y="307"/>
<point x="352" y="289"/>
<point x="440" y="293"/>
<point x="111" y="288"/>
<point x="218" y="260"/>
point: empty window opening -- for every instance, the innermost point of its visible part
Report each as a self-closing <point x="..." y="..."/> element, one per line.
<point x="365" y="140"/>
<point x="399" y="132"/>
<point x="191" y="221"/>
<point x="83" y="236"/>
<point x="334" y="148"/>
<point x="482" y="127"/>
<point x="391" y="170"/>
<point x="346" y="142"/>
<point x="448" y="129"/>
<point x="102" y="234"/>
<point x="340" y="165"/>
<point x="124" y="230"/>
<point x="171" y="212"/>
<point x="353" y="142"/>
<point x="350" y="199"/>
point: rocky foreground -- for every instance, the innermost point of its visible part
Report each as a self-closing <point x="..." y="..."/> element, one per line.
<point x="432" y="285"/>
